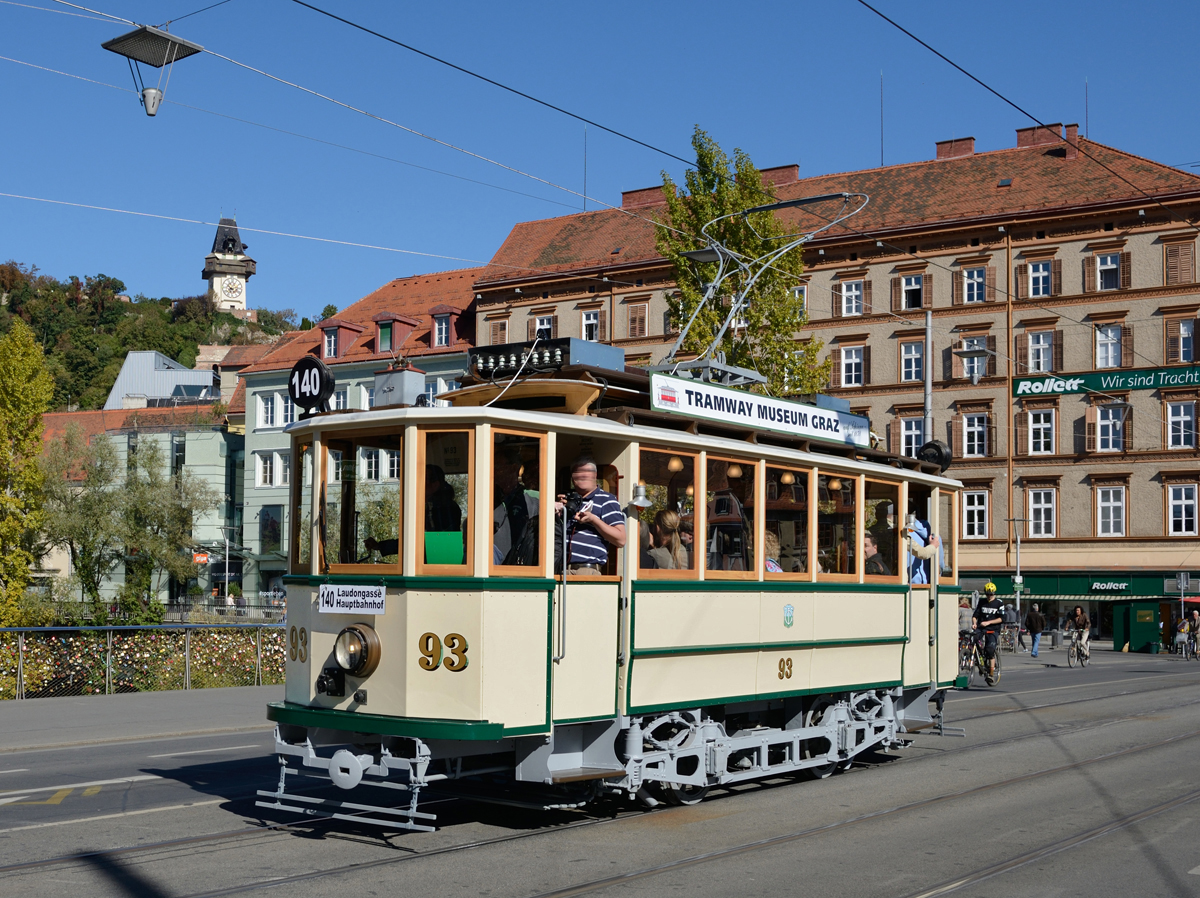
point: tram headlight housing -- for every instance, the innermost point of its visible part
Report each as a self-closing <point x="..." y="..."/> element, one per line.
<point x="357" y="650"/>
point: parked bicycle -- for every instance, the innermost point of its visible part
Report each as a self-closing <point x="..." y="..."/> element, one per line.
<point x="1008" y="639"/>
<point x="1077" y="650"/>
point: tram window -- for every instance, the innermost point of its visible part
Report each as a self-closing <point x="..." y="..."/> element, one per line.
<point x="362" y="512"/>
<point x="444" y="496"/>
<point x="948" y="530"/>
<point x="881" y="546"/>
<point x="518" y="503"/>
<point x="786" y="539"/>
<point x="666" y="528"/>
<point x="729" y="515"/>
<point x="836" y="541"/>
<point x="301" y="518"/>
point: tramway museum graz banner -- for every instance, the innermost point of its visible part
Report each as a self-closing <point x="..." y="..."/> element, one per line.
<point x="1099" y="382"/>
<point x="695" y="399"/>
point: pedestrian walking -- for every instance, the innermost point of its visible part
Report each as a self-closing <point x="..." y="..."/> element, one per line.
<point x="1035" y="623"/>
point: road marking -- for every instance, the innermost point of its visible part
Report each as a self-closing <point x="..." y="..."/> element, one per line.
<point x="116" y="782"/>
<point x="12" y="798"/>
<point x="201" y="751"/>
<point x="173" y="807"/>
<point x="90" y="791"/>
<point x="995" y="695"/>
<point x="56" y="798"/>
<point x="16" y="770"/>
<point x="1195" y="872"/>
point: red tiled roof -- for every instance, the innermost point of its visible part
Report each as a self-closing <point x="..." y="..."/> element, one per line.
<point x="237" y="401"/>
<point x="94" y="423"/>
<point x="240" y="356"/>
<point x="413" y="297"/>
<point x="917" y="194"/>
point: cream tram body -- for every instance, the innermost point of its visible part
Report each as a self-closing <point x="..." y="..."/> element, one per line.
<point x="636" y="676"/>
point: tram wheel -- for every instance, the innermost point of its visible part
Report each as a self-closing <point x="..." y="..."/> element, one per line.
<point x="814" y="716"/>
<point x="683" y="794"/>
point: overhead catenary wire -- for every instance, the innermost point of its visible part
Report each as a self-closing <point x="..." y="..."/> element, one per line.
<point x="57" y="12"/>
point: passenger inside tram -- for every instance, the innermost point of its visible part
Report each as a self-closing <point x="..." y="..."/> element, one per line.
<point x="446" y="492"/>
<point x="516" y="531"/>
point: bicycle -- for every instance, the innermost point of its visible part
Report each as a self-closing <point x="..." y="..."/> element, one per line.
<point x="1077" y="651"/>
<point x="1008" y="639"/>
<point x="971" y="658"/>
<point x="1189" y="647"/>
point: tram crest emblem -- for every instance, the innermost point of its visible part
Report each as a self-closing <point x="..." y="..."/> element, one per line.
<point x="788" y="615"/>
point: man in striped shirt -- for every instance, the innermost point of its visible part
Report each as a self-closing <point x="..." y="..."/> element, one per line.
<point x="599" y="524"/>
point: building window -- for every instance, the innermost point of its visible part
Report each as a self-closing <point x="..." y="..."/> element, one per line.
<point x="1181" y="425"/>
<point x="1041" y="352"/>
<point x="1182" y="509"/>
<point x="393" y="458"/>
<point x="1039" y="278"/>
<point x="637" y="319"/>
<point x="441" y="330"/>
<point x="331" y="343"/>
<point x="370" y="397"/>
<point x="1181" y="340"/>
<point x="1110" y="429"/>
<point x="852" y="298"/>
<point x="1108" y="267"/>
<point x="1041" y="432"/>
<point x="912" y="361"/>
<point x="289" y="410"/>
<point x="285" y="469"/>
<point x="266" y="469"/>
<point x="1110" y="511"/>
<point x="385" y="337"/>
<point x="912" y="290"/>
<point x="975" y="285"/>
<point x="591" y="325"/>
<point x="270" y="529"/>
<point x="1108" y="346"/>
<point x="371" y="464"/>
<point x="852" y="366"/>
<point x="335" y="465"/>
<point x="1041" y="513"/>
<point x="912" y="436"/>
<point x="976" y="367"/>
<point x="975" y="435"/>
<point x="341" y="399"/>
<point x="801" y="294"/>
<point x="266" y="404"/>
<point x="499" y="332"/>
<point x="975" y="514"/>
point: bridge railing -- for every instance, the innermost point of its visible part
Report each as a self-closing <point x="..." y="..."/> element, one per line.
<point x="44" y="662"/>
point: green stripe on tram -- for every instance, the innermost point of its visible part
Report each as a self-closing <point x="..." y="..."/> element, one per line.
<point x="762" y="586"/>
<point x="358" y="722"/>
<point x="767" y="646"/>
<point x="490" y="584"/>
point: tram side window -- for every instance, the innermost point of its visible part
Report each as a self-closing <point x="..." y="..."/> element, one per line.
<point x="786" y="539"/>
<point x="445" y="497"/>
<point x="518" y="501"/>
<point x="373" y="518"/>
<point x="881" y="546"/>
<point x="729" y="515"/>
<point x="948" y="530"/>
<point x="666" y="528"/>
<point x="301" y="517"/>
<point x="836" y="543"/>
<point x="338" y="462"/>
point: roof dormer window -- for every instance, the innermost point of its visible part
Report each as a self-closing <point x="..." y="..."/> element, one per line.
<point x="441" y="330"/>
<point x="331" y="343"/>
<point x="385" y="336"/>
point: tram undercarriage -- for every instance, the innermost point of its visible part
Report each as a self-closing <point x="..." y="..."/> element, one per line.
<point x="672" y="758"/>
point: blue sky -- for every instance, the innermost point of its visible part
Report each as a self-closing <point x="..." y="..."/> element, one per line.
<point x="788" y="82"/>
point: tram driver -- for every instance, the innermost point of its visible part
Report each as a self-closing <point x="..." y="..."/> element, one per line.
<point x="598" y="523"/>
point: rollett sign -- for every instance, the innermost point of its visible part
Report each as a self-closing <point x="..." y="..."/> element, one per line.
<point x="1100" y="382"/>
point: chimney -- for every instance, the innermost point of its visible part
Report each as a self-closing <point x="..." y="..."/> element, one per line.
<point x="1039" y="136"/>
<point x="647" y="196"/>
<point x="781" y="175"/>
<point x="1072" y="141"/>
<point x="959" y="146"/>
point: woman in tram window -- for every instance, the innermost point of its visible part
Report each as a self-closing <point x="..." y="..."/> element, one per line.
<point x="669" y="552"/>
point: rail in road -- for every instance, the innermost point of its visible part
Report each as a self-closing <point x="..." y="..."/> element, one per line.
<point x="1062" y="768"/>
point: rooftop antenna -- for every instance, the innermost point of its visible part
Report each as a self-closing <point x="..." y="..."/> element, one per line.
<point x="151" y="46"/>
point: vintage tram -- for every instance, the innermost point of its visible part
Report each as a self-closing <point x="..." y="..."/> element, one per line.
<point x="768" y="612"/>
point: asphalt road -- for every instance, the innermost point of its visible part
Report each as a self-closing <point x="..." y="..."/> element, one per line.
<point x="1069" y="782"/>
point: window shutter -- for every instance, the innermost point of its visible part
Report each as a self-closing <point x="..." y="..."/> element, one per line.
<point x="1056" y="277"/>
<point x="835" y="370"/>
<point x="866" y="365"/>
<point x="1021" y="351"/>
<point x="956" y="288"/>
<point x="927" y="290"/>
<point x="991" y="359"/>
<point x="1089" y="274"/>
<point x="956" y="436"/>
<point x="1172" y="339"/>
<point x="956" y="363"/>
<point x="531" y="328"/>
<point x="637" y="320"/>
<point x="1058" y="352"/>
<point x="1021" y="276"/>
<point x="835" y="293"/>
<point x="1126" y="345"/>
<point x="1126" y="270"/>
<point x="990" y="284"/>
<point x="495" y="341"/>
<point x="1021" y="433"/>
<point x="868" y="306"/>
<point x="1089" y="429"/>
<point x="893" y="437"/>
<point x="1171" y="276"/>
<point x="896" y="294"/>
<point x="602" y="326"/>
<point x="553" y="327"/>
<point x="1187" y="263"/>
<point x="1127" y="430"/>
<point x="990" y="448"/>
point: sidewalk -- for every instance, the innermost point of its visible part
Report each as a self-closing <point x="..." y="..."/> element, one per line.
<point x="56" y="722"/>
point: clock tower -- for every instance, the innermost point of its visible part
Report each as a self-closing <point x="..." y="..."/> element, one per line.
<point x="227" y="268"/>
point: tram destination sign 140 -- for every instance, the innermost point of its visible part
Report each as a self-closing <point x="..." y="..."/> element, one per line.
<point x="695" y="399"/>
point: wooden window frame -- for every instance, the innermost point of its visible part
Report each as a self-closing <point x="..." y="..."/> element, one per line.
<point x="898" y="561"/>
<point x="987" y="512"/>
<point x="545" y="497"/>
<point x="699" y="524"/>
<point x="1180" y="478"/>
<point x="810" y="474"/>
<point x="1169" y="399"/>
<point x="756" y="533"/>
<point x="854" y="576"/>
<point x="295" y="499"/>
<point x="644" y="305"/>
<point x="338" y="445"/>
<point x="495" y="324"/>
<point x="1179" y="261"/>
<point x="900" y="361"/>
<point x="1102" y="482"/>
<point x="467" y="569"/>
<point x="1041" y="486"/>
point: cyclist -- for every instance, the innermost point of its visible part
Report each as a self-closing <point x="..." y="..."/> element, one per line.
<point x="1079" y="621"/>
<point x="989" y="615"/>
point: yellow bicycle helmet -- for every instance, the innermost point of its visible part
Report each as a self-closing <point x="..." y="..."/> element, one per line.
<point x="990" y="588"/>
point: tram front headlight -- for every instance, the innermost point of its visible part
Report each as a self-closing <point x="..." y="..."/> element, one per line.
<point x="357" y="650"/>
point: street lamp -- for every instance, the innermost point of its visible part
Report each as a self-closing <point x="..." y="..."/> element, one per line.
<point x="973" y="352"/>
<point x="154" y="47"/>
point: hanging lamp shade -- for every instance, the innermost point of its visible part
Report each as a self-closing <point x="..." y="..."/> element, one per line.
<point x="152" y="46"/>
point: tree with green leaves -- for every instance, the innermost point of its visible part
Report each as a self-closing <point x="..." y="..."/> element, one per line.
<point x="766" y="341"/>
<point x="25" y="391"/>
<point x="329" y="312"/>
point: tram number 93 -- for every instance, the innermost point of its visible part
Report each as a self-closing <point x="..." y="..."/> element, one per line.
<point x="453" y="658"/>
<point x="785" y="668"/>
<point x="298" y="645"/>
